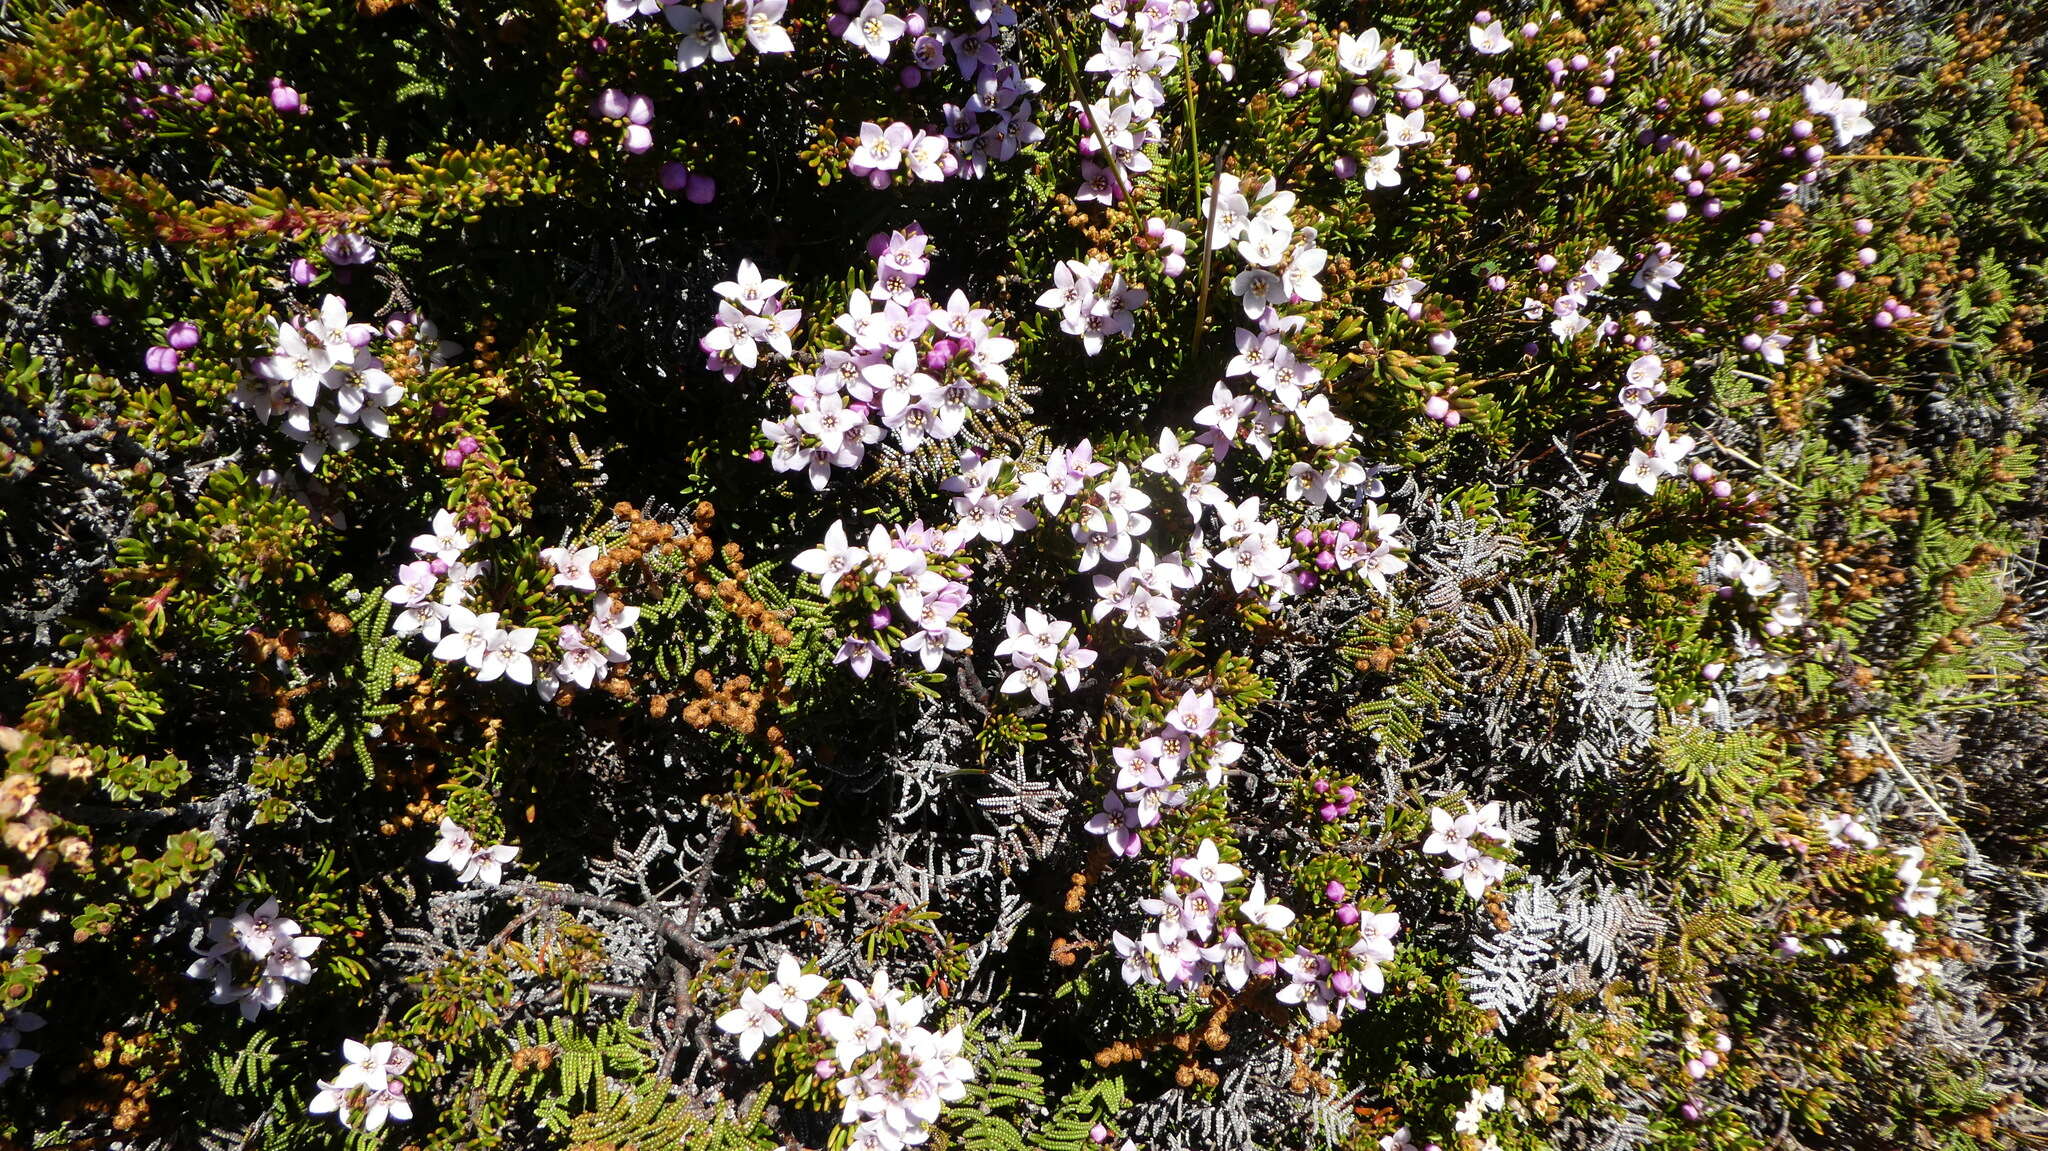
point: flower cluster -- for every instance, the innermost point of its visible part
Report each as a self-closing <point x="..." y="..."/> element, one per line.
<point x="702" y="26"/>
<point x="367" y="1091"/>
<point x="906" y="589"/>
<point x="1041" y="650"/>
<point x="993" y="123"/>
<point x="1137" y="68"/>
<point x="471" y="861"/>
<point x="252" y="957"/>
<point x="1470" y="863"/>
<point x="1093" y="301"/>
<point x="894" y="1074"/>
<point x="1195" y="738"/>
<point x="434" y="592"/>
<point x="325" y="381"/>
<point x="920" y="367"/>
<point x="748" y="316"/>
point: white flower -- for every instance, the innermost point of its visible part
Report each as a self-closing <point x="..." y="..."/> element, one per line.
<point x="472" y="862"/>
<point x="1407" y="131"/>
<point x="754" y="1020"/>
<point x="1825" y="98"/>
<point x="764" y="26"/>
<point x="368" y="1081"/>
<point x="874" y="29"/>
<point x="446" y="542"/>
<point x="703" y="29"/>
<point x="1490" y="39"/>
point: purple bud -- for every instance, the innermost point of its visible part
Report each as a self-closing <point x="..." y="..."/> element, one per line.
<point x="1174" y="264"/>
<point x="1580" y="63"/>
<point x="1325" y="561"/>
<point x="467" y="445"/>
<point x="1863" y="227"/>
<point x="1866" y="256"/>
<point x="1546" y="263"/>
<point x="1722" y="490"/>
<point x="1882" y="319"/>
<point x="915" y="24"/>
<point x="202" y="92"/>
<point x="638" y="141"/>
<point x="701" y="189"/>
<point x="1290" y="87"/>
<point x="1801" y="129"/>
<point x="1321" y="786"/>
<point x="1752" y="342"/>
<point x="1436" y="407"/>
<point x="302" y="271"/>
<point x="285" y="99"/>
<point x="1258" y="21"/>
<point x="1328" y="813"/>
<point x="1411" y="99"/>
<point x="1675" y="211"/>
<point x="452" y="459"/>
<point x="611" y="105"/>
<point x="1347" y="915"/>
<point x="580" y="138"/>
<point x="1596" y="95"/>
<point x="183" y="335"/>
<point x="1443" y="343"/>
<point x="1711" y="209"/>
<point x="1453" y="418"/>
<point x="1099" y="1133"/>
<point x="1304" y="536"/>
<point x="673" y="176"/>
<point x="161" y="359"/>
<point x="1497" y="282"/>
<point x="101" y="319"/>
<point x="1349" y="529"/>
<point x="1714" y="118"/>
<point x="1305" y="580"/>
<point x="1328" y="537"/>
<point x="1334" y="890"/>
<point x="1363" y="101"/>
<point x="1690" y="1110"/>
<point x="879" y="620"/>
<point x="1694" y="188"/>
<point x="1344" y="167"/>
<point x="1347" y="793"/>
<point x="911" y="76"/>
<point x="1466" y="109"/>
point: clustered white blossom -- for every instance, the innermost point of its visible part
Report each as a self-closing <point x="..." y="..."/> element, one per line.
<point x="1140" y="48"/>
<point x="1476" y="1107"/>
<point x="252" y="957"/>
<point x="918" y="367"/>
<point x="433" y="594"/>
<point x="1149" y="777"/>
<point x="749" y="315"/>
<point x="367" y="1091"/>
<point x="1470" y="863"/>
<point x="325" y="382"/>
<point x="908" y="583"/>
<point x="1738" y="568"/>
<point x="702" y="26"/>
<point x="991" y="126"/>
<point x="1093" y="301"/>
<point x="894" y="1074"/>
<point x="471" y="861"/>
<point x="1918" y="896"/>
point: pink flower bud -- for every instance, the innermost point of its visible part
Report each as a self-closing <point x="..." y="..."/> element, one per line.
<point x="1436" y="407"/>
<point x="1882" y="319"/>
<point x="1497" y="282"/>
<point x="1334" y="890"/>
<point x="451" y="459"/>
<point x="1443" y="343"/>
<point x="1304" y="536"/>
<point x="183" y="335"/>
<point x="1801" y="129"/>
<point x="1325" y="561"/>
<point x="1863" y="227"/>
<point x="1174" y="264"/>
<point x="911" y="76"/>
<point x="673" y="176"/>
<point x="640" y="110"/>
<point x="1344" y="167"/>
<point x="1596" y="95"/>
<point x="1546" y="263"/>
<point x="1349" y="529"/>
<point x="285" y="99"/>
<point x="1721" y="489"/>
<point x="1321" y="786"/>
<point x="1453" y="418"/>
<point x="1258" y="21"/>
<point x="1099" y="1133"/>
<point x="202" y="92"/>
<point x="638" y="141"/>
<point x="700" y="189"/>
<point x="101" y="320"/>
<point x="1712" y="671"/>
<point x="1675" y="211"/>
<point x="161" y="359"/>
<point x="1866" y="256"/>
